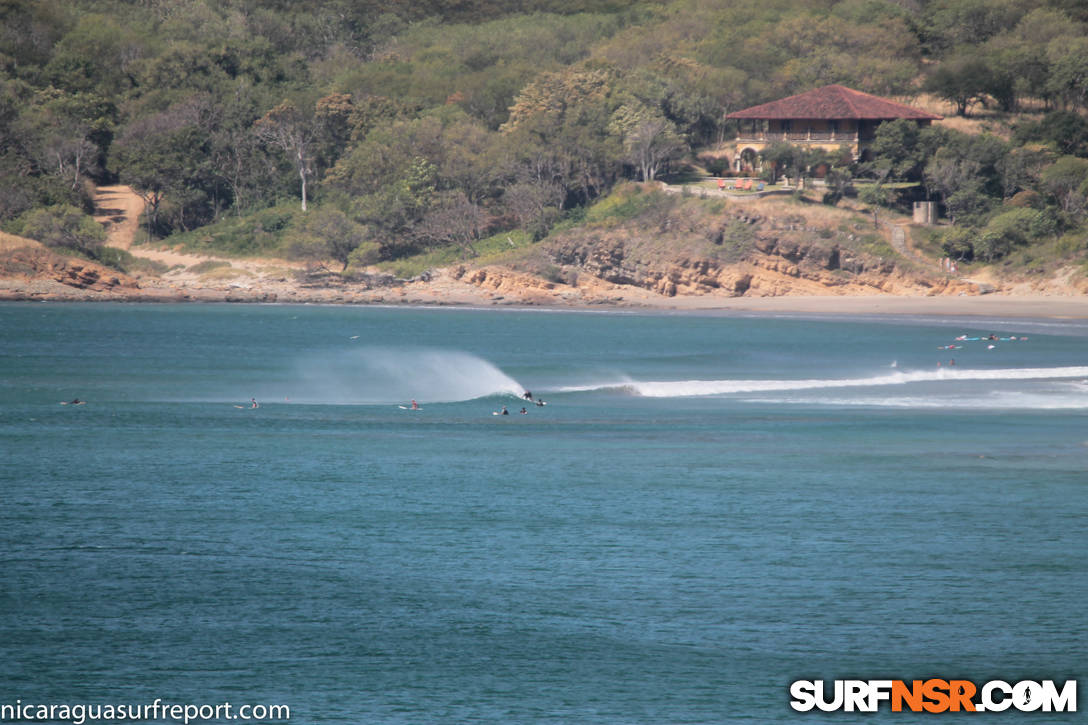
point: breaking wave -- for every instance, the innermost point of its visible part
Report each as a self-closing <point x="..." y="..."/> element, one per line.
<point x="693" y="388"/>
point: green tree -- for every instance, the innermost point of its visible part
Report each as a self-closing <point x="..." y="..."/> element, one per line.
<point x="1069" y="70"/>
<point x="1066" y="180"/>
<point x="562" y="121"/>
<point x="962" y="81"/>
<point x="1019" y="170"/>
<point x="782" y="158"/>
<point x="332" y="129"/>
<point x="452" y="219"/>
<point x="148" y="161"/>
<point x="897" y="151"/>
<point x="949" y="24"/>
<point x="958" y="243"/>
<point x="328" y="233"/>
<point x="875" y="196"/>
<point x="839" y="184"/>
<point x="286" y="128"/>
<point x="473" y="160"/>
<point x="649" y="139"/>
<point x="167" y="158"/>
<point x="63" y="226"/>
<point x="1004" y="232"/>
<point x="1066" y="131"/>
<point x="101" y="54"/>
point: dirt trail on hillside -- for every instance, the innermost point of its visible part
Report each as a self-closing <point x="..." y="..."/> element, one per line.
<point x="118" y="209"/>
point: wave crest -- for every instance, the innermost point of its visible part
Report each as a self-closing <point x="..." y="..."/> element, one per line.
<point x="694" y="388"/>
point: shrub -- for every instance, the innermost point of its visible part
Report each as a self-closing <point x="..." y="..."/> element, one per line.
<point x="63" y="226"/>
<point x="1012" y="228"/>
<point x="365" y="255"/>
<point x="717" y="166"/>
<point x="209" y="266"/>
<point x="957" y="244"/>
<point x="119" y="259"/>
<point x="1044" y="224"/>
<point x="1027" y="199"/>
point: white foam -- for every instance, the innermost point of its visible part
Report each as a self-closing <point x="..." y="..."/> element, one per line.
<point x="992" y="401"/>
<point x="693" y="388"/>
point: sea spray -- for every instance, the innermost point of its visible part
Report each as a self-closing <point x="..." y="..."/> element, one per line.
<point x="377" y="375"/>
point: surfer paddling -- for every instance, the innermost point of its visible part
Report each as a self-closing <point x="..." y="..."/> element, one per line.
<point x="73" y="401"/>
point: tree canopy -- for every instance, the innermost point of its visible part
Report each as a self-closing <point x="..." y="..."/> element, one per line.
<point x="403" y="126"/>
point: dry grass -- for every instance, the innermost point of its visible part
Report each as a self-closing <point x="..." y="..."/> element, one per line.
<point x="980" y="119"/>
<point x="814" y="213"/>
<point x="225" y="273"/>
<point x="10" y="241"/>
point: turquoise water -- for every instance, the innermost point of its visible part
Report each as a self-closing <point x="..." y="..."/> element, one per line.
<point x="708" y="508"/>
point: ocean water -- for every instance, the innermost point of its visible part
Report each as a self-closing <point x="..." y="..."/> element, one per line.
<point x="708" y="508"/>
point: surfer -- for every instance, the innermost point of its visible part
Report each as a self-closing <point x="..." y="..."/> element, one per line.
<point x="524" y="412"/>
<point x="74" y="401"/>
<point x="505" y="411"/>
<point x="253" y="403"/>
<point x="527" y="395"/>
<point x="540" y="403"/>
<point x="415" y="405"/>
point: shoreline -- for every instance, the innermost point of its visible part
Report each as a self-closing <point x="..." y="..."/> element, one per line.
<point x="990" y="305"/>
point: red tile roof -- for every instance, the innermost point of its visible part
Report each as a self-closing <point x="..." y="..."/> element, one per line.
<point x="834" y="102"/>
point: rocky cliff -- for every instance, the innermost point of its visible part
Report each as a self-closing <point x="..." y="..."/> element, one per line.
<point x="40" y="273"/>
<point x="730" y="255"/>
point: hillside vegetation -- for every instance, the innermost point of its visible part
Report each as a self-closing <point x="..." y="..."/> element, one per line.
<point x="425" y="134"/>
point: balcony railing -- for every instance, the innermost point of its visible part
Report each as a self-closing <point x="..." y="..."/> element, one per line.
<point x="747" y="136"/>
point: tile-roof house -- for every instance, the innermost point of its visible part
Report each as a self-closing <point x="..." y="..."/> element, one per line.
<point x="827" y="117"/>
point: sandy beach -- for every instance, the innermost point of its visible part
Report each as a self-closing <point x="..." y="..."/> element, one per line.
<point x="444" y="291"/>
<point x="992" y="305"/>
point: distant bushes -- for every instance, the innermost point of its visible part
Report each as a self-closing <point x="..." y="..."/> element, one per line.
<point x="63" y="227"/>
<point x="717" y="166"/>
<point x="264" y="232"/>
<point x="1005" y="232"/>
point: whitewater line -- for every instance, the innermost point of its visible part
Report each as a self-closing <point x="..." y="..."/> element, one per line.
<point x="692" y="388"/>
